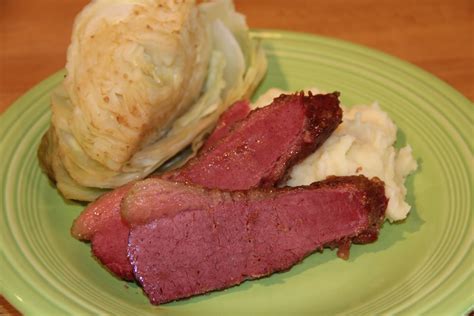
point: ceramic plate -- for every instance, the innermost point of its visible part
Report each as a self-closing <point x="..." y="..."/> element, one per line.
<point x="423" y="265"/>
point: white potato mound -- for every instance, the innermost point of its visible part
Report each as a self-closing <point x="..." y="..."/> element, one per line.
<point x="362" y="144"/>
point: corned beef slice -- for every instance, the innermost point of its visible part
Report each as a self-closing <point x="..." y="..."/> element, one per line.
<point x="102" y="224"/>
<point x="187" y="240"/>
<point x="99" y="213"/>
<point x="259" y="150"/>
<point x="245" y="153"/>
<point x="238" y="111"/>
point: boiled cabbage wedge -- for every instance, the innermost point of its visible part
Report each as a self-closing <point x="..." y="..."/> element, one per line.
<point x="145" y="79"/>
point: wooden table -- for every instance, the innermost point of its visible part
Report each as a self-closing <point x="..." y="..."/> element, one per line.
<point x="436" y="35"/>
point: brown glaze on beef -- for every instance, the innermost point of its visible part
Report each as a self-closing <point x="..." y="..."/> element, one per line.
<point x="206" y="240"/>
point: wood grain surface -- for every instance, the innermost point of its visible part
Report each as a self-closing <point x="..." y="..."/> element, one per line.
<point x="436" y="35"/>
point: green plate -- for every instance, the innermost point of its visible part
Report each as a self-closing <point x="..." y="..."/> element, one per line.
<point x="423" y="265"/>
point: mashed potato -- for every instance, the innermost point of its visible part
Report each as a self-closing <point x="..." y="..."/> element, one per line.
<point x="362" y="144"/>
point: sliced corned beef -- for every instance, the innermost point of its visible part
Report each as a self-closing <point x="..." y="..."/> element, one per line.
<point x="244" y="153"/>
<point x="238" y="111"/>
<point x="187" y="240"/>
<point x="260" y="149"/>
